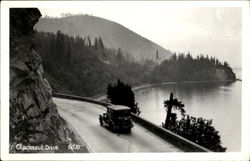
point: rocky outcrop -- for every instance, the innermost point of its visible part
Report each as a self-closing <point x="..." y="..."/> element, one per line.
<point x="35" y="124"/>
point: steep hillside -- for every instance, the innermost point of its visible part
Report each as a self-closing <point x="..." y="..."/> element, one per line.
<point x="113" y="34"/>
<point x="35" y="124"/>
<point x="76" y="68"/>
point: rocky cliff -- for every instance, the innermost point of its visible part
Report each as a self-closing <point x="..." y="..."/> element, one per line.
<point x="35" y="124"/>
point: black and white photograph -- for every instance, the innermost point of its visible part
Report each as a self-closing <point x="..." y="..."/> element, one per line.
<point x="125" y="77"/>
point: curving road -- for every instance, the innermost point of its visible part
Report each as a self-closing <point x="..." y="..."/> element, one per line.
<point x="83" y="116"/>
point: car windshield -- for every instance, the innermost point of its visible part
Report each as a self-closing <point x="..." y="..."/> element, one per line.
<point x="122" y="113"/>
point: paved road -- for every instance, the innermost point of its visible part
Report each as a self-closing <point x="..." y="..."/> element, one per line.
<point x="84" y="116"/>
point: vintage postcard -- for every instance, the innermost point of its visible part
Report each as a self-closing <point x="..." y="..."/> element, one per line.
<point x="124" y="80"/>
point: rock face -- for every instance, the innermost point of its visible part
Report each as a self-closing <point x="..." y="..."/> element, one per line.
<point x="35" y="124"/>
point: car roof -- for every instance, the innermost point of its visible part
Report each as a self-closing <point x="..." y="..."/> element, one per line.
<point x="118" y="107"/>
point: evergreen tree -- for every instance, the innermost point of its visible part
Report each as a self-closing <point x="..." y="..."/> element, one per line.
<point x="122" y="94"/>
<point x="88" y="41"/>
<point x="119" y="56"/>
<point x="157" y="55"/>
<point x="169" y="104"/>
<point x="225" y="64"/>
<point x="198" y="130"/>
<point x="96" y="44"/>
<point x="100" y="43"/>
<point x="68" y="53"/>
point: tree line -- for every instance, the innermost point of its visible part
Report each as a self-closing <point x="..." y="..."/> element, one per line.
<point x="184" y="67"/>
<point x="84" y="66"/>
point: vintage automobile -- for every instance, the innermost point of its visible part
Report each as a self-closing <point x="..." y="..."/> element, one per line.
<point x="117" y="118"/>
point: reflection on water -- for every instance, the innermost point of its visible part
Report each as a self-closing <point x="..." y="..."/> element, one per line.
<point x="220" y="102"/>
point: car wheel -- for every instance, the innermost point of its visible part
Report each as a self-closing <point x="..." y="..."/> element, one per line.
<point x="111" y="127"/>
<point x="100" y="119"/>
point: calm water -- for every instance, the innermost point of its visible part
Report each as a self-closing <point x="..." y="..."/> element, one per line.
<point x="220" y="102"/>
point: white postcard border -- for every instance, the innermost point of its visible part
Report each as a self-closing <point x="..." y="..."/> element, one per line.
<point x="243" y="155"/>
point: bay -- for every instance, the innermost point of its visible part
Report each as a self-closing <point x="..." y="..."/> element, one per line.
<point x="220" y="102"/>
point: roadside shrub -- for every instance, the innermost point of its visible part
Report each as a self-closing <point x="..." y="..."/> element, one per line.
<point x="122" y="94"/>
<point x="198" y="130"/>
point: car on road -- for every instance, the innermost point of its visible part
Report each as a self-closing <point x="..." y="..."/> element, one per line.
<point x="117" y="118"/>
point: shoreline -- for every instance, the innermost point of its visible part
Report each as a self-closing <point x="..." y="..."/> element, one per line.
<point x="103" y="97"/>
<point x="182" y="82"/>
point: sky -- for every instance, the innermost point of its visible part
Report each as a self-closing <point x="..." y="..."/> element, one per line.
<point x="212" y="31"/>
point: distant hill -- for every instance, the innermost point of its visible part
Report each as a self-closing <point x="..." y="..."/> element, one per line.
<point x="113" y="34"/>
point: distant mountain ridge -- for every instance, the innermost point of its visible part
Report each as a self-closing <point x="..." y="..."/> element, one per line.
<point x="113" y="34"/>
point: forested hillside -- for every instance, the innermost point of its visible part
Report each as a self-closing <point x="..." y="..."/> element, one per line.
<point x="113" y="34"/>
<point x="79" y="66"/>
<point x="186" y="68"/>
<point x="82" y="67"/>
